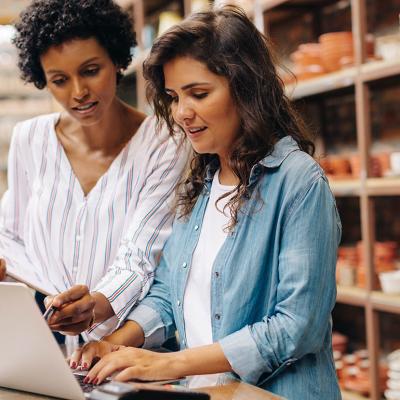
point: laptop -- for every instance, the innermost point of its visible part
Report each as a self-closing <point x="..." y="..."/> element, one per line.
<point x="30" y="358"/>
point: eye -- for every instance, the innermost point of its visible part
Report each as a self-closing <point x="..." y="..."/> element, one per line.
<point x="59" y="81"/>
<point x="200" y="95"/>
<point x="171" y="98"/>
<point x="91" y="71"/>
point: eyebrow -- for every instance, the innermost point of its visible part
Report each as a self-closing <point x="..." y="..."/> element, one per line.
<point x="53" y="71"/>
<point x="189" y="86"/>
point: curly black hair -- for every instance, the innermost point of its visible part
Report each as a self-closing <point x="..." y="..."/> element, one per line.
<point x="46" y="23"/>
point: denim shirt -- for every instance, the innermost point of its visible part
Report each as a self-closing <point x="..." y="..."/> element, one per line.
<point x="273" y="280"/>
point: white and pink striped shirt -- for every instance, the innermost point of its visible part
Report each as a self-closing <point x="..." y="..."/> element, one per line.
<point x="110" y="239"/>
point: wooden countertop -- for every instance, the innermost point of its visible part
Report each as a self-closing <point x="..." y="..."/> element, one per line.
<point x="231" y="390"/>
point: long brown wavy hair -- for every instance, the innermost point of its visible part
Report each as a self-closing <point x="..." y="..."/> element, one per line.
<point x="231" y="46"/>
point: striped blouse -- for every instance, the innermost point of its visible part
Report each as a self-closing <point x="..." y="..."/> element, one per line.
<point x="110" y="239"/>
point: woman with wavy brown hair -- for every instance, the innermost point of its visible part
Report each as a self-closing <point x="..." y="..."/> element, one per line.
<point x="248" y="274"/>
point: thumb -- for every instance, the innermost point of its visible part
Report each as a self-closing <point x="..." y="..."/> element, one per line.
<point x="2" y="269"/>
<point x="47" y="301"/>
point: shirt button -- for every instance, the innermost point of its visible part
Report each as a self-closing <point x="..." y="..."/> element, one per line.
<point x="178" y="303"/>
<point x="196" y="227"/>
<point x="183" y="343"/>
<point x="217" y="274"/>
<point x="217" y="317"/>
<point x="184" y="265"/>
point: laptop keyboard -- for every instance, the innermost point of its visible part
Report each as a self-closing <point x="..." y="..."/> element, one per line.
<point x="86" y="387"/>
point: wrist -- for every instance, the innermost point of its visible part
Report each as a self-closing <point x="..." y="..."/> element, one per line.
<point x="130" y="334"/>
<point x="178" y="363"/>
<point x="102" y="308"/>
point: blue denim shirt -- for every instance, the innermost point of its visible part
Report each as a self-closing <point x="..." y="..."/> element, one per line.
<point x="273" y="280"/>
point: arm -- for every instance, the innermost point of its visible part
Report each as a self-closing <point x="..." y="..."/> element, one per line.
<point x="130" y="276"/>
<point x="13" y="208"/>
<point x="148" y="325"/>
<point x="305" y="295"/>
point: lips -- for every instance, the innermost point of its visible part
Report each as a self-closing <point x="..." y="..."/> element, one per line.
<point x="85" y="108"/>
<point x="195" y="131"/>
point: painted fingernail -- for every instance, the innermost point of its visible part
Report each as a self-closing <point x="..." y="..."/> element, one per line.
<point x="85" y="365"/>
<point x="96" y="381"/>
<point x="73" y="365"/>
<point x="86" y="380"/>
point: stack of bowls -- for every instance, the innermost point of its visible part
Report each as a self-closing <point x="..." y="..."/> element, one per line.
<point x="307" y="61"/>
<point x="337" y="49"/>
<point x="334" y="47"/>
<point x="385" y="254"/>
<point x="393" y="383"/>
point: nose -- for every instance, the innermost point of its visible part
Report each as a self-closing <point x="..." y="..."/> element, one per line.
<point x="80" y="91"/>
<point x="184" y="112"/>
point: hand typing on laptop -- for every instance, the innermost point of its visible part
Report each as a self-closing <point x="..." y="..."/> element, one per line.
<point x="77" y="309"/>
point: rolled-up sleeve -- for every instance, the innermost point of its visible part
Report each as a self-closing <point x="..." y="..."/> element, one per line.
<point x="305" y="294"/>
<point x="155" y="314"/>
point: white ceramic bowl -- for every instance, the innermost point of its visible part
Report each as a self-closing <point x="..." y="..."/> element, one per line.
<point x="390" y="281"/>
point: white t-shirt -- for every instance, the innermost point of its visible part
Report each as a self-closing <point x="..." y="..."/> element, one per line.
<point x="197" y="298"/>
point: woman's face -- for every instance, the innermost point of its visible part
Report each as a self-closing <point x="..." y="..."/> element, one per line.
<point x="82" y="78"/>
<point x="202" y="105"/>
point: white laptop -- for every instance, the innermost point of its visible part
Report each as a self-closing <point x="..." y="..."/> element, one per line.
<point x="30" y="357"/>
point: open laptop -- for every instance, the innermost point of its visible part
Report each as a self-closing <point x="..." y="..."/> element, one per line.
<point x="30" y="358"/>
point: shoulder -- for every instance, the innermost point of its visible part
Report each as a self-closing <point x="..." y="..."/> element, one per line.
<point x="36" y="127"/>
<point x="301" y="167"/>
<point x="155" y="138"/>
<point x="294" y="178"/>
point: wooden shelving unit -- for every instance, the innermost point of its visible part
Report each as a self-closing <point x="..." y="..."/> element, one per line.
<point x="367" y="189"/>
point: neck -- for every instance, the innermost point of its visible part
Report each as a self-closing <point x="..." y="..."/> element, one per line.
<point x="226" y="174"/>
<point x="106" y="134"/>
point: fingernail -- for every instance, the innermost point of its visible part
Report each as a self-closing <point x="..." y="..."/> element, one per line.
<point x="73" y="365"/>
<point x="85" y="365"/>
<point x="86" y="380"/>
<point x="96" y="381"/>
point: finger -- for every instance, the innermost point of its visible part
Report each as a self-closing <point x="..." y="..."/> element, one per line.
<point x="109" y="364"/>
<point x="2" y="269"/>
<point x="130" y="373"/>
<point x="70" y="330"/>
<point x="73" y="294"/>
<point x="75" y="311"/>
<point x="90" y="352"/>
<point x="76" y="357"/>
<point x="48" y="301"/>
<point x="75" y="318"/>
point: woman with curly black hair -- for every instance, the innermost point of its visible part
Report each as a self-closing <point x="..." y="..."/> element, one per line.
<point x="88" y="203"/>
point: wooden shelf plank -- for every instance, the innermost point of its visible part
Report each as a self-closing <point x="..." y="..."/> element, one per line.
<point x="351" y="295"/>
<point x="385" y="302"/>
<point x="383" y="186"/>
<point x="346" y="395"/>
<point x="344" y="78"/>
<point x="268" y="4"/>
<point x="379" y="69"/>
<point x="344" y="188"/>
<point x="322" y="84"/>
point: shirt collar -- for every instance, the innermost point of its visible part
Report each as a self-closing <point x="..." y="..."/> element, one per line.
<point x="281" y="150"/>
